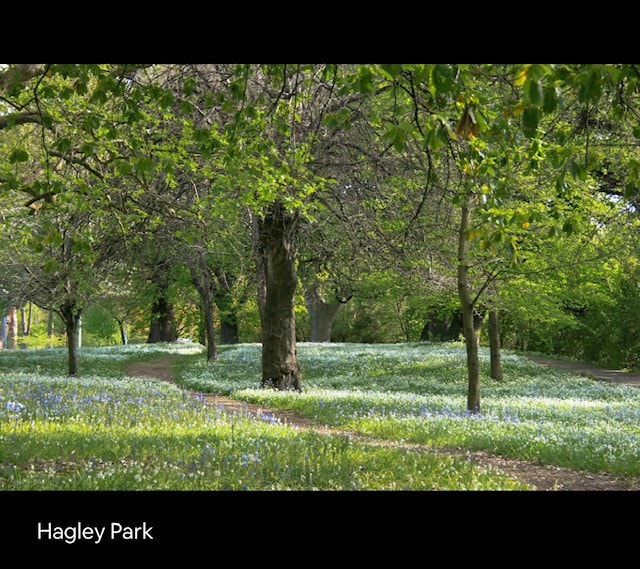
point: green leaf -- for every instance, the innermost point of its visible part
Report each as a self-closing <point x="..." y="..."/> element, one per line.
<point x="18" y="155"/>
<point x="442" y="78"/>
<point x="535" y="93"/>
<point x="530" y="121"/>
<point x="550" y="100"/>
<point x="47" y="121"/>
<point x="365" y="80"/>
<point x="166" y="99"/>
<point x="591" y="86"/>
<point x="63" y="144"/>
<point x="392" y="70"/>
<point x="143" y="165"/>
<point x="186" y="107"/>
<point x="91" y="122"/>
<point x="189" y="85"/>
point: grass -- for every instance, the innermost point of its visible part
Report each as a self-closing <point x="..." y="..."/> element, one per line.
<point x="417" y="393"/>
<point x="107" y="431"/>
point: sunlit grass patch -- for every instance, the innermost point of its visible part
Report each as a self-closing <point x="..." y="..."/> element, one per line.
<point x="104" y="430"/>
<point x="118" y="433"/>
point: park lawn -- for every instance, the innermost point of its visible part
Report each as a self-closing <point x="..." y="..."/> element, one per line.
<point x="104" y="430"/>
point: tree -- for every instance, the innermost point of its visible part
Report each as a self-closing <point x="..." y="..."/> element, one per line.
<point x="501" y="138"/>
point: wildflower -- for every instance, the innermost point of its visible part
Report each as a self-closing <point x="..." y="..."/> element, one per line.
<point x="15" y="407"/>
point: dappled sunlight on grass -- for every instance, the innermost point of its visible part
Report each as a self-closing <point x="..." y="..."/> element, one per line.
<point x="104" y="430"/>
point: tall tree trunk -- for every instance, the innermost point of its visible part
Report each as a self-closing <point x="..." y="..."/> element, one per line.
<point x="50" y="327"/>
<point x="25" y="321"/>
<point x="322" y="314"/>
<point x="276" y="248"/>
<point x="202" y="279"/>
<point x="71" y="318"/>
<point x="210" y="330"/>
<point x="12" y="328"/>
<point x="229" y="333"/>
<point x="124" y="337"/>
<point x="494" y="345"/>
<point x="163" y="324"/>
<point x="3" y="332"/>
<point x="227" y="311"/>
<point x="466" y="304"/>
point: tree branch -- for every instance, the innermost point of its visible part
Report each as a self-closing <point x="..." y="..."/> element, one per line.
<point x="19" y="73"/>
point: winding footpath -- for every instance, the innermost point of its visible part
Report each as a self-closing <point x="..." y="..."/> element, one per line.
<point x="541" y="477"/>
<point x="614" y="376"/>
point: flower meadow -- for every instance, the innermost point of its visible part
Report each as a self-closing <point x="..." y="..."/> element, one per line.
<point x="104" y="430"/>
<point x="417" y="393"/>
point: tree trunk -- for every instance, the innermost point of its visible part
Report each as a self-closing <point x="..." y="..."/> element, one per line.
<point x="3" y="332"/>
<point x="494" y="345"/>
<point x="122" y="325"/>
<point x="466" y="304"/>
<point x="163" y="324"/>
<point x="26" y="320"/>
<point x="227" y="311"/>
<point x="11" y="342"/>
<point x="321" y="313"/>
<point x="276" y="248"/>
<point x="210" y="330"/>
<point x="229" y="329"/>
<point x="202" y="279"/>
<point x="71" y="318"/>
<point x="50" y="327"/>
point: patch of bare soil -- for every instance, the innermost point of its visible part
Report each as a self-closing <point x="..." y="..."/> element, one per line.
<point x="541" y="477"/>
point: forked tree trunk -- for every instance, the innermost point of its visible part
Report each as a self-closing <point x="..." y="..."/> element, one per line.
<point x="276" y="251"/>
<point x="467" y="306"/>
<point x="322" y="314"/>
<point x="229" y="329"/>
<point x="163" y="325"/>
<point x="494" y="345"/>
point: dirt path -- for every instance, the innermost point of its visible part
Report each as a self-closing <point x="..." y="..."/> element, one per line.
<point x="541" y="477"/>
<point x="614" y="376"/>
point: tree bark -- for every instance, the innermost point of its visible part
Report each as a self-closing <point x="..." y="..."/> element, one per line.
<point x="163" y="324"/>
<point x="202" y="279"/>
<point x="25" y="320"/>
<point x="276" y="250"/>
<point x="494" y="345"/>
<point x="71" y="317"/>
<point x="12" y="328"/>
<point x="227" y="311"/>
<point x="50" y="327"/>
<point x="467" y="306"/>
<point x="229" y="329"/>
<point x="3" y="332"/>
<point x="122" y="325"/>
<point x="210" y="331"/>
<point x="322" y="314"/>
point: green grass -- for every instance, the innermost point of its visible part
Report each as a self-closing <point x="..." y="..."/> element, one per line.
<point x="417" y="393"/>
<point x="104" y="430"/>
